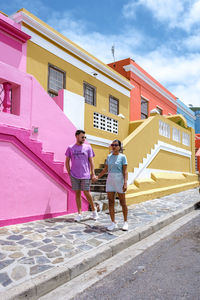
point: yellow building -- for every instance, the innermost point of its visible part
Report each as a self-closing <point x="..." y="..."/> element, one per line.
<point x="96" y="97"/>
<point x="160" y="150"/>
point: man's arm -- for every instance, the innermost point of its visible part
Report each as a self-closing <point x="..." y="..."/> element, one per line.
<point x="67" y="164"/>
<point x="92" y="168"/>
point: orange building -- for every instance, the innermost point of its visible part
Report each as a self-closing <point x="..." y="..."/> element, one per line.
<point x="197" y="146"/>
<point x="147" y="94"/>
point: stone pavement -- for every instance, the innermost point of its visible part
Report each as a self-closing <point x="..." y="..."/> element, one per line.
<point x="31" y="249"/>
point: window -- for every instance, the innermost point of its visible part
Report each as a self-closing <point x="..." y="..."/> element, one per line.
<point x="144" y="109"/>
<point x="105" y="123"/>
<point x="159" y="110"/>
<point x="113" y="105"/>
<point x="56" y="80"/>
<point x="89" y="93"/>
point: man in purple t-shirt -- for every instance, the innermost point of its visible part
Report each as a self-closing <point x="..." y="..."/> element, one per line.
<point x="81" y="156"/>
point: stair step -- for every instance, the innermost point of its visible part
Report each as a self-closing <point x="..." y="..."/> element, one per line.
<point x="98" y="188"/>
<point x="34" y="146"/>
<point x="99" y="182"/>
<point x="59" y="165"/>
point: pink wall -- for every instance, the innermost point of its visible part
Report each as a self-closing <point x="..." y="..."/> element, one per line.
<point x="26" y="190"/>
<point x="36" y="194"/>
<point x="33" y="182"/>
<point x="12" y="43"/>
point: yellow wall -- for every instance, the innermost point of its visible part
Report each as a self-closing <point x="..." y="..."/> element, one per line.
<point x="101" y="154"/>
<point x="37" y="65"/>
<point x="140" y="142"/>
<point x="170" y="161"/>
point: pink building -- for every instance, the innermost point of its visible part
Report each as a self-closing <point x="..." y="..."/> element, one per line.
<point x="34" y="134"/>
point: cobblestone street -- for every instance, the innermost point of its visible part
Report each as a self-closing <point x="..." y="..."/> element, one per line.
<point x="27" y="250"/>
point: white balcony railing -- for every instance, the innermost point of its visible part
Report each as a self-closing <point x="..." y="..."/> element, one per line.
<point x="6" y="97"/>
<point x="176" y="135"/>
<point x="185" y="139"/>
<point x="164" y="129"/>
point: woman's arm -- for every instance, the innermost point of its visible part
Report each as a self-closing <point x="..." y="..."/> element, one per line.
<point x="104" y="171"/>
<point x="125" y="174"/>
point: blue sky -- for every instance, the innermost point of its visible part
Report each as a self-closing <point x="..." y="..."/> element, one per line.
<point x="162" y="36"/>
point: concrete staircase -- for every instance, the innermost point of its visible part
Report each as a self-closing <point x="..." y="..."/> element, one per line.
<point x="98" y="191"/>
<point x="100" y="185"/>
<point x="33" y="149"/>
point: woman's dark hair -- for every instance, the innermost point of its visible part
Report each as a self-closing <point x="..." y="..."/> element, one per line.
<point x="120" y="145"/>
<point x="79" y="132"/>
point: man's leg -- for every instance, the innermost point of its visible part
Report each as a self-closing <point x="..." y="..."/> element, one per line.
<point x="78" y="201"/>
<point x="89" y="199"/>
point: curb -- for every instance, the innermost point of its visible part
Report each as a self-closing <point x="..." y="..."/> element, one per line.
<point x="44" y="283"/>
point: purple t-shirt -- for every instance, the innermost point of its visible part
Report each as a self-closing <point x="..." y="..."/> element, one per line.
<point x="79" y="155"/>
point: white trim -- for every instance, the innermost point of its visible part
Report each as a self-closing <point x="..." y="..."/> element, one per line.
<point x="144" y="98"/>
<point x="156" y="87"/>
<point x="147" y="173"/>
<point x="22" y="17"/>
<point x="95" y="140"/>
<point x="157" y="147"/>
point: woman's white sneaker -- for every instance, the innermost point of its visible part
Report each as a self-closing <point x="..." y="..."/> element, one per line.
<point x="78" y="218"/>
<point x="112" y="226"/>
<point x="125" y="226"/>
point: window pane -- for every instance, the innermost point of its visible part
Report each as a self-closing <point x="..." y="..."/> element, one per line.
<point x="89" y="94"/>
<point x="144" y="109"/>
<point x="56" y="80"/>
<point x="113" y="106"/>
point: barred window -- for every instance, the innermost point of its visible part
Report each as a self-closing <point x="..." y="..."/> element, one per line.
<point x="144" y="109"/>
<point x="56" y="80"/>
<point x="89" y="93"/>
<point x="113" y="105"/>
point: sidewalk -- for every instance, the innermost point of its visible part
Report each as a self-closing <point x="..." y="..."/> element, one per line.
<point x="38" y="256"/>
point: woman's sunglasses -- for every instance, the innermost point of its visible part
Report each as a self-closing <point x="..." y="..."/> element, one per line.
<point x="114" y="145"/>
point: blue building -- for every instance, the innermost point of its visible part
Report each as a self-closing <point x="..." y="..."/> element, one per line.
<point x="196" y="110"/>
<point x="187" y="113"/>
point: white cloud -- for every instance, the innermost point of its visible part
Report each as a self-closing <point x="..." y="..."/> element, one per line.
<point x="181" y="75"/>
<point x="94" y="42"/>
<point x="192" y="42"/>
<point x="180" y="13"/>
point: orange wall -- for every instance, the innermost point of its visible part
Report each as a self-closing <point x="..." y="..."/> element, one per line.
<point x="145" y="90"/>
<point x="197" y="146"/>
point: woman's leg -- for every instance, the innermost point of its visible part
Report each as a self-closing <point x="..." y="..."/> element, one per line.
<point x="111" y="199"/>
<point x="122" y="200"/>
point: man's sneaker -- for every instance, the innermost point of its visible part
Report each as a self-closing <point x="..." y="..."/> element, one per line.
<point x="112" y="226"/>
<point x="125" y="226"/>
<point x="78" y="218"/>
<point x="95" y="215"/>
